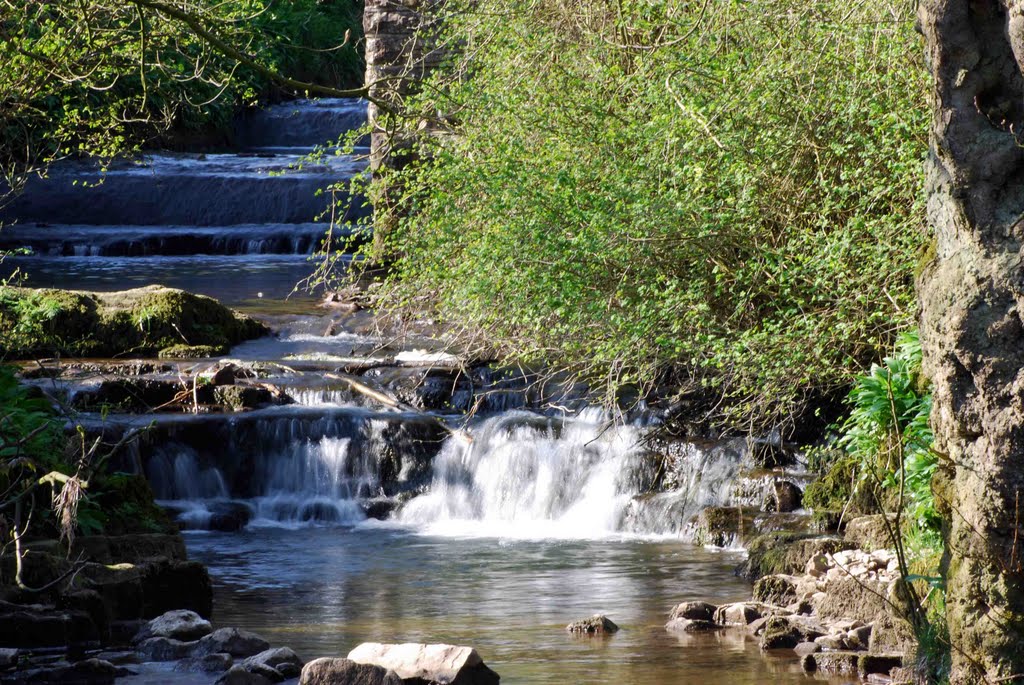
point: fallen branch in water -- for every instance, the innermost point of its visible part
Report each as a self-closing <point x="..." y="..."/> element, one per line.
<point x="388" y="401"/>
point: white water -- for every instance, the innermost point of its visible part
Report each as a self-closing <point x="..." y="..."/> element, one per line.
<point x="515" y="475"/>
<point x="528" y="478"/>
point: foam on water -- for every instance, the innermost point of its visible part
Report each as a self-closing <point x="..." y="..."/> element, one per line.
<point x="521" y="476"/>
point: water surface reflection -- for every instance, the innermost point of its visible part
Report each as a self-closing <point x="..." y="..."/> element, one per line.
<point x="324" y="590"/>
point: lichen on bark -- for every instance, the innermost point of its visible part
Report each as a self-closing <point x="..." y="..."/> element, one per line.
<point x="972" y="300"/>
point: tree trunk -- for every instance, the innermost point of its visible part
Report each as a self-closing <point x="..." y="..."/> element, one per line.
<point x="972" y="302"/>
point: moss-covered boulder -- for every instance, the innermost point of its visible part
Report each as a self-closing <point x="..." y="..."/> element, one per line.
<point x="786" y="552"/>
<point x="42" y="322"/>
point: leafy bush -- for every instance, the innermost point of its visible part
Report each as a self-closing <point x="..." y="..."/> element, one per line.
<point x="727" y="191"/>
<point x="888" y="433"/>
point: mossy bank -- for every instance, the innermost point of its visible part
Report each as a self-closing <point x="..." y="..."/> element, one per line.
<point x="152" y="320"/>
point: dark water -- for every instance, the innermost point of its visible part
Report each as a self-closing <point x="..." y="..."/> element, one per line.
<point x="324" y="590"/>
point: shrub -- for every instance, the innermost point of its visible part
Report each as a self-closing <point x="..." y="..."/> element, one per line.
<point x="726" y="191"/>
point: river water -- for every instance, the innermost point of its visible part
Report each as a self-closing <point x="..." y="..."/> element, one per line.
<point x="495" y="541"/>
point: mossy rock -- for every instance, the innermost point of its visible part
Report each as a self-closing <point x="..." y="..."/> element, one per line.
<point x="190" y="352"/>
<point x="44" y="322"/>
<point x="834" y="490"/>
<point x="781" y="552"/>
<point x="776" y="590"/>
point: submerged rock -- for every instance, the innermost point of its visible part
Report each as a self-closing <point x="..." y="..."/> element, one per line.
<point x="688" y="625"/>
<point x="437" y="663"/>
<point x="832" y="663"/>
<point x="165" y="649"/>
<point x="597" y="624"/>
<point x="211" y="663"/>
<point x="236" y="675"/>
<point x="86" y="672"/>
<point x="328" y="671"/>
<point x="9" y="657"/>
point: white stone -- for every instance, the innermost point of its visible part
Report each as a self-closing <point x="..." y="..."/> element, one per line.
<point x="434" y="663"/>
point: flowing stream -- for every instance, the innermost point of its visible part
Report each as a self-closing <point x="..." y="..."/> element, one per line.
<point x="329" y="521"/>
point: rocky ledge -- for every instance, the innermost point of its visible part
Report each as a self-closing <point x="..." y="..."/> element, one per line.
<point x="841" y="616"/>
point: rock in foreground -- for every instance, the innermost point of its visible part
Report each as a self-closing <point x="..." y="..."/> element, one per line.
<point x="449" y="664"/>
<point x="328" y="671"/>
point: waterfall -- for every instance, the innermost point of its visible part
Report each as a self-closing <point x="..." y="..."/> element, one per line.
<point x="525" y="476"/>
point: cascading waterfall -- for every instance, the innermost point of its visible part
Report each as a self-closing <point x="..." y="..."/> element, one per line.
<point x="522" y="475"/>
<point x="514" y="474"/>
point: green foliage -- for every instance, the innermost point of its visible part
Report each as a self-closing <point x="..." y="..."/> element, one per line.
<point x="101" y="77"/>
<point x="31" y="446"/>
<point x="30" y="434"/>
<point x="888" y="433"/>
<point x="726" y="189"/>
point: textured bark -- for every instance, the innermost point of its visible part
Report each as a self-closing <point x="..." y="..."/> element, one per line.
<point x="972" y="301"/>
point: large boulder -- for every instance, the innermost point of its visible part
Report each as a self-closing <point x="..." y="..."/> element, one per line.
<point x="44" y="626"/>
<point x="151" y="588"/>
<point x="327" y="671"/>
<point x="180" y="624"/>
<point x="439" y="663"/>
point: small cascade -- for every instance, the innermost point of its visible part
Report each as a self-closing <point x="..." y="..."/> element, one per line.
<point x="290" y="466"/>
<point x="526" y="475"/>
<point x="326" y="460"/>
<point x="185" y="219"/>
<point x="704" y="474"/>
<point x="300" y="123"/>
